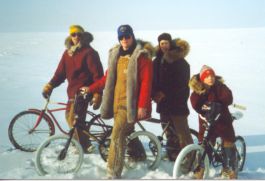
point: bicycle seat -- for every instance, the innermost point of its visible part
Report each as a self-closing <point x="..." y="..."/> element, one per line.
<point x="153" y="120"/>
<point x="237" y="115"/>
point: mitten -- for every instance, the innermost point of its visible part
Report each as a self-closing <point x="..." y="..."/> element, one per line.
<point x="96" y="101"/>
<point x="47" y="90"/>
<point x="158" y="96"/>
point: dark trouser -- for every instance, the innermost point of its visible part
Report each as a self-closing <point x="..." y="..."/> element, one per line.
<point x="81" y="109"/>
<point x="178" y="134"/>
<point x="230" y="157"/>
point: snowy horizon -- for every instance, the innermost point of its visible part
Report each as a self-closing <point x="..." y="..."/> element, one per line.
<point x="28" y="61"/>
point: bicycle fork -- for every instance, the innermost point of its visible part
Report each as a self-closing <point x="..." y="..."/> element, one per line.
<point x="65" y="149"/>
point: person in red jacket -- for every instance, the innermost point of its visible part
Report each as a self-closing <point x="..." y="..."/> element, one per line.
<point x="209" y="88"/>
<point x="80" y="65"/>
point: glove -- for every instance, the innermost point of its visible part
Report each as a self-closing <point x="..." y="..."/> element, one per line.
<point x="47" y="90"/>
<point x="159" y="96"/>
<point x="213" y="110"/>
<point x="96" y="101"/>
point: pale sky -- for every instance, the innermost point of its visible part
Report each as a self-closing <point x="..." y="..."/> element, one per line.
<point x="107" y="15"/>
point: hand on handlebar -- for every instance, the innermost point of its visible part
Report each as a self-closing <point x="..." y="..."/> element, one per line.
<point x="47" y="90"/>
<point x="84" y="90"/>
<point x="205" y="107"/>
<point x="212" y="110"/>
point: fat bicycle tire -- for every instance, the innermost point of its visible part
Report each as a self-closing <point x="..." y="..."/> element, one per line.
<point x="19" y="130"/>
<point x="186" y="153"/>
<point x="241" y="151"/>
<point x="47" y="156"/>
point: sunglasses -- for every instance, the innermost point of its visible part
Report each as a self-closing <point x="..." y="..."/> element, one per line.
<point x="76" y="34"/>
<point x="125" y="36"/>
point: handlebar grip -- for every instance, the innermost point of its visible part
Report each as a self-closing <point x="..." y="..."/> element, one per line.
<point x="239" y="107"/>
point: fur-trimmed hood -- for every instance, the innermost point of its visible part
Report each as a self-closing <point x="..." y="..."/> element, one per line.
<point x="179" y="50"/>
<point x="85" y="40"/>
<point x="198" y="86"/>
<point x="148" y="47"/>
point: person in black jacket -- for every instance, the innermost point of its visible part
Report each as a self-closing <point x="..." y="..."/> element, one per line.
<point x="171" y="74"/>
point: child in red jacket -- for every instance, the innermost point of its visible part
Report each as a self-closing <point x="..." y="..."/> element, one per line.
<point x="207" y="87"/>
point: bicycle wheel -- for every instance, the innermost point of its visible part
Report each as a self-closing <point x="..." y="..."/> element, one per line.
<point x="146" y="152"/>
<point x="188" y="161"/>
<point x="20" y="131"/>
<point x="48" y="160"/>
<point x="241" y="151"/>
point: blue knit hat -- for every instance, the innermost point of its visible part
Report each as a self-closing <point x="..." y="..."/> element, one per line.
<point x="125" y="30"/>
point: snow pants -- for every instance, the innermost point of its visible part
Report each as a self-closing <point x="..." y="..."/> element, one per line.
<point x="121" y="130"/>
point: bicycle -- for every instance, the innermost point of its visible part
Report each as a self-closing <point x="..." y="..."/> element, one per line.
<point x="29" y="128"/>
<point x="63" y="154"/>
<point x="193" y="155"/>
<point x="163" y="140"/>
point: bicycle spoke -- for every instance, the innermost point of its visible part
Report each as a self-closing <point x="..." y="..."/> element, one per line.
<point x="48" y="160"/>
<point x="22" y="134"/>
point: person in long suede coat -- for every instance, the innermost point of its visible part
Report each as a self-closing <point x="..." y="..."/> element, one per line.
<point x="171" y="91"/>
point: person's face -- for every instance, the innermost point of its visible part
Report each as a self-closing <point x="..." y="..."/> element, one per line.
<point x="75" y="38"/>
<point x="164" y="45"/>
<point x="126" y="42"/>
<point x="209" y="80"/>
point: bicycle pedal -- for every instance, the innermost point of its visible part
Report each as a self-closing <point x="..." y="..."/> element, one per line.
<point x="90" y="149"/>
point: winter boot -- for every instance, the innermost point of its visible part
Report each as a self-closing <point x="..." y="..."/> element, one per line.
<point x="136" y="150"/>
<point x="227" y="173"/>
<point x="198" y="174"/>
<point x="230" y="165"/>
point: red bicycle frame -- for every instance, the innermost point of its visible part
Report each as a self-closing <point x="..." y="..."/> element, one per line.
<point x="50" y="115"/>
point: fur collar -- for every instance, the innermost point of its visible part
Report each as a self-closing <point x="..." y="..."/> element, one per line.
<point x="148" y="48"/>
<point x="179" y="50"/>
<point x="198" y="87"/>
<point x="85" y="41"/>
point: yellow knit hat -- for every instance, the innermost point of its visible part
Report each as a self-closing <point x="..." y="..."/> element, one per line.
<point x="76" y="29"/>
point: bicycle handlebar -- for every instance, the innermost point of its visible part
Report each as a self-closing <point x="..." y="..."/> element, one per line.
<point x="241" y="107"/>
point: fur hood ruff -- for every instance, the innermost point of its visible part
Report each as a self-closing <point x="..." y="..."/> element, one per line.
<point x="198" y="86"/>
<point x="180" y="49"/>
<point x="85" y="41"/>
